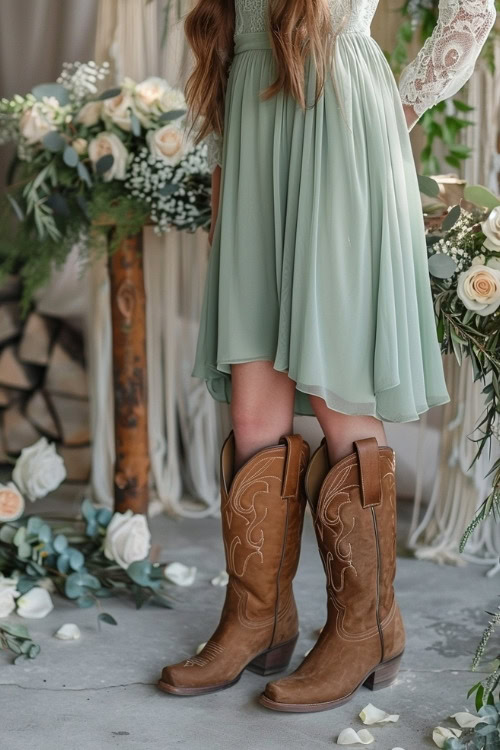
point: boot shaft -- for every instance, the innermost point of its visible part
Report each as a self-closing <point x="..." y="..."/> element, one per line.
<point x="262" y="516"/>
<point x="354" y="511"/>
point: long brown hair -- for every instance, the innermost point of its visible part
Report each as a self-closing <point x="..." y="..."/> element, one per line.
<point x="299" y="29"/>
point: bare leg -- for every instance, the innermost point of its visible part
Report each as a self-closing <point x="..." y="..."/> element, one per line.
<point x="261" y="407"/>
<point x="342" y="429"/>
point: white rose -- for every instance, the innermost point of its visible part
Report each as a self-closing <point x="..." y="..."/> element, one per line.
<point x="479" y="288"/>
<point x="117" y="110"/>
<point x="80" y="145"/>
<point x="167" y="143"/>
<point x="35" y="603"/>
<point x="39" y="470"/>
<point x="491" y="228"/>
<point x="7" y="601"/>
<point x="128" y="538"/>
<point x="172" y="99"/>
<point x="109" y="143"/>
<point x="35" y="123"/>
<point x="11" y="503"/>
<point x="149" y="93"/>
<point x="90" y="114"/>
<point x="8" y="595"/>
<point x="479" y="260"/>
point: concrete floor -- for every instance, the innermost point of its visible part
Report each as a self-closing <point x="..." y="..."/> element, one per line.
<point x="99" y="692"/>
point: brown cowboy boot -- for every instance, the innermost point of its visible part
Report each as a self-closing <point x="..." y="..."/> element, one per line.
<point x="354" y="511"/>
<point x="262" y="516"/>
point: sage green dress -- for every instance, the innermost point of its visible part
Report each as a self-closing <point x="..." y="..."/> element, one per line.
<point x="319" y="262"/>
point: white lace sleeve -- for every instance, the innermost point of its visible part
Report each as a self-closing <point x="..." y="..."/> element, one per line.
<point x="214" y="155"/>
<point x="447" y="59"/>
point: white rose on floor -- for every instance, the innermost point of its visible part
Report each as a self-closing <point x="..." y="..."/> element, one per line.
<point x="90" y="114"/>
<point x="35" y="123"/>
<point x="35" y="603"/>
<point x="180" y="574"/>
<point x="117" y="110"/>
<point x="167" y="143"/>
<point x="39" y="470"/>
<point x="68" y="632"/>
<point x="479" y="289"/>
<point x="11" y="503"/>
<point x="108" y="143"/>
<point x="8" y="595"/>
<point x="128" y="538"/>
<point x="491" y="228"/>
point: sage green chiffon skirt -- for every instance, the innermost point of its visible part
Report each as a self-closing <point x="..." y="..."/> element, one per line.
<point x="319" y="262"/>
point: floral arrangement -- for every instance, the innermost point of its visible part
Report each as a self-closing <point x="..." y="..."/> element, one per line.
<point x="464" y="263"/>
<point x="98" y="556"/>
<point x="119" y="158"/>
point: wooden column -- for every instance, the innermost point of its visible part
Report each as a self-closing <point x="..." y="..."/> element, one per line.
<point x="128" y="311"/>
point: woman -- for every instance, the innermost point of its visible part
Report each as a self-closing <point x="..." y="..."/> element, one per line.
<point x="317" y="302"/>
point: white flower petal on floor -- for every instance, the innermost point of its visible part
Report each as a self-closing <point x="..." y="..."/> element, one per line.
<point x="372" y="715"/>
<point x="350" y="737"/>
<point x="35" y="603"/>
<point x="200" y="648"/>
<point x="221" y="580"/>
<point x="441" y="734"/>
<point x="68" y="632"/>
<point x="466" y="720"/>
<point x="180" y="574"/>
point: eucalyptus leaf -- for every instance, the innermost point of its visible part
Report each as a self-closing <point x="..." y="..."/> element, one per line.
<point x="452" y="218"/>
<point x="76" y="559"/>
<point x="88" y="510"/>
<point x="84" y="173"/>
<point x="104" y="164"/>
<point x="56" y="90"/>
<point x="60" y="543"/>
<point x="428" y="186"/>
<point x="18" y="631"/>
<point x="24" y="550"/>
<point x="45" y="533"/>
<point x="104" y="516"/>
<point x="174" y="114"/>
<point x="85" y="600"/>
<point x="140" y="572"/>
<point x="481" y="196"/>
<point x="442" y="266"/>
<point x="33" y="651"/>
<point x="7" y="534"/>
<point x="62" y="563"/>
<point x="34" y="525"/>
<point x="107" y="618"/>
<point x="109" y="94"/>
<point x="70" y="156"/>
<point x="25" y="583"/>
<point x="54" y="141"/>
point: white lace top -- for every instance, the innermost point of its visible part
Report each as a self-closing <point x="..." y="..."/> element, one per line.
<point x="444" y="64"/>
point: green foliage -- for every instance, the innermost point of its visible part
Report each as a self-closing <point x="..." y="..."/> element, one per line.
<point x="17" y="640"/>
<point x="484" y="736"/>
<point x="71" y="554"/>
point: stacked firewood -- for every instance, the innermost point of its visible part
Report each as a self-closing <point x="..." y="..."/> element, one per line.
<point x="43" y="384"/>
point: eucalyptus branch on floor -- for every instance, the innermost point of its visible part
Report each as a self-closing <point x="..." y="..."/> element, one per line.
<point x="17" y="640"/>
